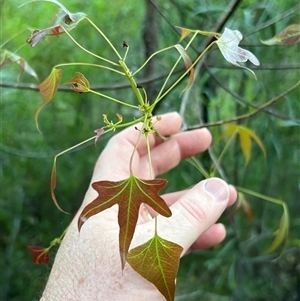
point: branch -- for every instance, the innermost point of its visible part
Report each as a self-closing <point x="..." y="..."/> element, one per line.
<point x="245" y="116"/>
<point x="246" y="102"/>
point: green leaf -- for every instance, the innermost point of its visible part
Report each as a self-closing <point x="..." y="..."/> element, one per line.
<point x="79" y="83"/>
<point x="48" y="89"/>
<point x="289" y="36"/>
<point x="8" y="57"/>
<point x="188" y="64"/>
<point x="157" y="260"/>
<point x="129" y="194"/>
<point x="228" y="45"/>
<point x="281" y="233"/>
<point x="245" y="136"/>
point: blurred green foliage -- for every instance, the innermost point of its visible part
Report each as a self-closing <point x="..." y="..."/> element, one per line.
<point x="237" y="269"/>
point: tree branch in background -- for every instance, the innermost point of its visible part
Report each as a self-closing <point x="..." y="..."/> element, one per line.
<point x="245" y="116"/>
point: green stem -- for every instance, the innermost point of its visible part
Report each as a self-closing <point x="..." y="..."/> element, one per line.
<point x="89" y="52"/>
<point x="90" y="65"/>
<point x="224" y="151"/>
<point x="104" y="37"/>
<point x="125" y="55"/>
<point x="114" y="99"/>
<point x="261" y="196"/>
<point x="197" y="164"/>
<point x="132" y="83"/>
<point x="150" y="57"/>
<point x="184" y="74"/>
<point x="172" y="70"/>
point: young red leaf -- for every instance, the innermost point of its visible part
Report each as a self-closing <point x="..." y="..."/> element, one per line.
<point x="243" y="204"/>
<point x="64" y="21"/>
<point x="157" y="260"/>
<point x="188" y="63"/>
<point x="40" y="255"/>
<point x="129" y="194"/>
<point x="48" y="89"/>
<point x="8" y="57"/>
<point x="79" y="83"/>
<point x="98" y="133"/>
<point x="228" y="45"/>
<point x="289" y="36"/>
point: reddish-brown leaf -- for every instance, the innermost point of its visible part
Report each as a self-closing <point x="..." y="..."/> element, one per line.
<point x="40" y="254"/>
<point x="289" y="36"/>
<point x="188" y="64"/>
<point x="79" y="83"/>
<point x="157" y="260"/>
<point x="98" y="133"/>
<point x="64" y="21"/>
<point x="129" y="194"/>
<point x="242" y="204"/>
<point x="48" y="89"/>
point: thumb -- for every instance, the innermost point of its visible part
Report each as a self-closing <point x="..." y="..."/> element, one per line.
<point x="193" y="213"/>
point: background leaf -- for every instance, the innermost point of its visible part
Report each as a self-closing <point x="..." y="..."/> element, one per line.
<point x="245" y="136"/>
<point x="289" y="36"/>
<point x="157" y="260"/>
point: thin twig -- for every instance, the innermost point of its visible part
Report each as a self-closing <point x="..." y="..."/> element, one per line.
<point x="245" y="116"/>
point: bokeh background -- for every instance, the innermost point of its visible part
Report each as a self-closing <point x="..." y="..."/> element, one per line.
<point x="237" y="269"/>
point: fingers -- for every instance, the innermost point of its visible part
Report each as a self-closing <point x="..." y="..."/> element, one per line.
<point x="114" y="162"/>
<point x="193" y="214"/>
<point x="167" y="155"/>
<point x="168" y="125"/>
<point x="171" y="198"/>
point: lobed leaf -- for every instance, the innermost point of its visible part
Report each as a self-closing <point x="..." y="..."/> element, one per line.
<point x="48" y="89"/>
<point x="289" y="36"/>
<point x="188" y="64"/>
<point x="129" y="194"/>
<point x="228" y="45"/>
<point x="157" y="260"/>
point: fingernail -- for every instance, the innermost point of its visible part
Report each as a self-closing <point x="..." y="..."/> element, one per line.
<point x="217" y="188"/>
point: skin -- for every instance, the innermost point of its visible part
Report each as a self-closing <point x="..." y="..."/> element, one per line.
<point x="87" y="265"/>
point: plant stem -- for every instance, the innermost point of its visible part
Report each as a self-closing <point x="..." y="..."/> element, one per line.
<point x="90" y="65"/>
<point x="104" y="37"/>
<point x="224" y="150"/>
<point x="89" y="52"/>
<point x="114" y="99"/>
<point x="150" y="57"/>
<point x="172" y="70"/>
<point x="132" y="82"/>
<point x="184" y="74"/>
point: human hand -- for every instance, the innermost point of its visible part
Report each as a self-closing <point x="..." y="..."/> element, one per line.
<point x="87" y="265"/>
